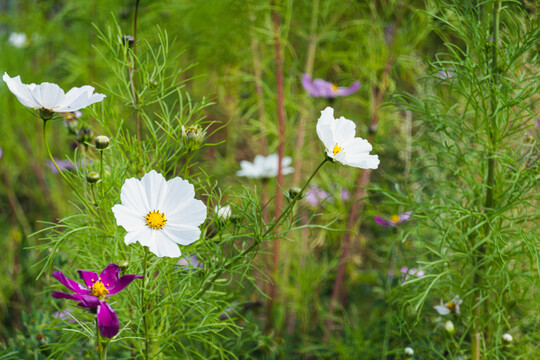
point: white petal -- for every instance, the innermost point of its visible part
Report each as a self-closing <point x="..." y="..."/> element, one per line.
<point x="180" y="193"/>
<point x="190" y="212"/>
<point x="78" y="98"/>
<point x="325" y="128"/>
<point x="49" y="95"/>
<point x="344" y="131"/>
<point x="133" y="196"/>
<point x="134" y="236"/>
<point x="183" y="235"/>
<point x="128" y="218"/>
<point x="21" y="91"/>
<point x="167" y="248"/>
<point x="442" y="310"/>
<point x="155" y="187"/>
<point x="356" y="146"/>
<point x="362" y="161"/>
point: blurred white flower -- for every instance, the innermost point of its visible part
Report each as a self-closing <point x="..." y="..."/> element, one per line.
<point x="160" y="214"/>
<point x="449" y="327"/>
<point x="409" y="351"/>
<point x="50" y="97"/>
<point x="264" y="167"/>
<point x="507" y="338"/>
<point x="451" y="307"/>
<point x="223" y="212"/>
<point x="340" y="144"/>
<point x="17" y="39"/>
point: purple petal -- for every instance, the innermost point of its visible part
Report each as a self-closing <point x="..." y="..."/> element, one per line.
<point x="89" y="277"/>
<point x="65" y="315"/>
<point x="405" y="216"/>
<point x="107" y="320"/>
<point x="109" y="275"/>
<point x="350" y="90"/>
<point x="383" y="222"/>
<point x="61" y="295"/>
<point x="306" y="83"/>
<point x="89" y="301"/>
<point x="70" y="284"/>
<point x="122" y="283"/>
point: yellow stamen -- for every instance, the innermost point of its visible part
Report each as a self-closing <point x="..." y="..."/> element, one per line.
<point x="99" y="290"/>
<point x="155" y="219"/>
<point x="394" y="218"/>
<point x="451" y="306"/>
<point x="337" y="149"/>
<point x="334" y="88"/>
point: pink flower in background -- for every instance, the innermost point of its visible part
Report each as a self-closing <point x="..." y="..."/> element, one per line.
<point x="345" y="194"/>
<point x="316" y="195"/>
<point x="394" y="219"/>
<point x="406" y="273"/>
<point x="325" y="89"/>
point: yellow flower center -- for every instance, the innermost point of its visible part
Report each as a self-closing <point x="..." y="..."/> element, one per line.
<point x="394" y="218"/>
<point x="155" y="219"/>
<point x="451" y="306"/>
<point x="334" y="88"/>
<point x="99" y="290"/>
<point x="337" y="149"/>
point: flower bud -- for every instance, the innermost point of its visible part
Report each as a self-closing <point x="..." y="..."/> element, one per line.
<point x="507" y="338"/>
<point x="128" y="40"/>
<point x="192" y="137"/>
<point x="223" y="213"/>
<point x="102" y="142"/>
<point x="84" y="135"/>
<point x="449" y="327"/>
<point x="92" y="177"/>
<point x="123" y="264"/>
<point x="45" y="114"/>
<point x="294" y="192"/>
<point x="408" y="352"/>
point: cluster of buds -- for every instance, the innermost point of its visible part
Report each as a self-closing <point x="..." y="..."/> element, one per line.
<point x="192" y="137"/>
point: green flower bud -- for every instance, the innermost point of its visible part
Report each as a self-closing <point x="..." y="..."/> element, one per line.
<point x="408" y="352"/>
<point x="192" y="136"/>
<point x="294" y="192"/>
<point x="102" y="142"/>
<point x="46" y="114"/>
<point x="92" y="177"/>
<point x="449" y="327"/>
<point x="123" y="264"/>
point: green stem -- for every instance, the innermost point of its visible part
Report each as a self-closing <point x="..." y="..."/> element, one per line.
<point x="144" y="307"/>
<point x="92" y="210"/>
<point x="102" y="350"/>
<point x="490" y="183"/>
<point x="101" y="172"/>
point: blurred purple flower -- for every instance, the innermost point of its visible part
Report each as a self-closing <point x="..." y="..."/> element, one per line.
<point x="406" y="273"/>
<point x="325" y="89"/>
<point x="447" y="75"/>
<point x="65" y="315"/>
<point x="65" y="164"/>
<point x="1" y="153"/>
<point x="315" y="195"/>
<point x="345" y="194"/>
<point x="394" y="219"/>
<point x="189" y="263"/>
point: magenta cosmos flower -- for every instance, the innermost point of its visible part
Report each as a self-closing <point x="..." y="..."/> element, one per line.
<point x="394" y="219"/>
<point x="95" y="293"/>
<point x="325" y="89"/>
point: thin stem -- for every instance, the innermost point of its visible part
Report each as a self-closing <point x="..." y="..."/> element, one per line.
<point x="92" y="210"/>
<point x="476" y="341"/>
<point x="102" y="350"/>
<point x="276" y="223"/>
<point x="132" y="68"/>
<point x="312" y="46"/>
<point x="144" y="307"/>
<point x="101" y="172"/>
<point x="281" y="149"/>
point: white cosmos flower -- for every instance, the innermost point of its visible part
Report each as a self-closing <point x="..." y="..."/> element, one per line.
<point x="340" y="144"/>
<point x="451" y="307"/>
<point x="160" y="214"/>
<point x="265" y="167"/>
<point x="50" y="97"/>
<point x="17" y="39"/>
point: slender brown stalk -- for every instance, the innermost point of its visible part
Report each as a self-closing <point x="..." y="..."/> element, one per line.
<point x="281" y="150"/>
<point x="312" y="46"/>
<point x="377" y="96"/>
<point x="257" y="70"/>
